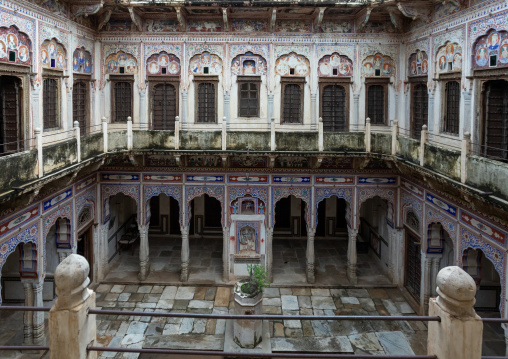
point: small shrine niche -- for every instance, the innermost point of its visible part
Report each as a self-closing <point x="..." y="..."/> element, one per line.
<point x="82" y="61"/>
<point x="53" y="55"/>
<point x="378" y="65"/>
<point x="491" y="50"/>
<point x="121" y="63"/>
<point x="205" y="64"/>
<point x="335" y="65"/>
<point x="418" y="63"/>
<point x="292" y="65"/>
<point x="249" y="64"/>
<point x="163" y="64"/>
<point x="247" y="206"/>
<point x="449" y="58"/>
<point x="15" y="47"/>
<point x="28" y="260"/>
<point x="247" y="242"/>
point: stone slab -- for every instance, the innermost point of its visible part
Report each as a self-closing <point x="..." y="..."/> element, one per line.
<point x="272" y="301"/>
<point x="185" y="293"/>
<point x="336" y="345"/>
<point x="322" y="302"/>
<point x="185" y="341"/>
<point x="289" y="302"/>
<point x="200" y="304"/>
<point x="222" y="297"/>
<point x="169" y="293"/>
<point x="230" y="346"/>
<point x="366" y="341"/>
<point x="350" y="300"/>
<point x="394" y="343"/>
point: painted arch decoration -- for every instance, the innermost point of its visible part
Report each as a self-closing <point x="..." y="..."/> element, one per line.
<point x="53" y="55"/>
<point x="292" y="64"/>
<point x="449" y="58"/>
<point x="164" y="64"/>
<point x="121" y="63"/>
<point x="82" y="61"/>
<point x="491" y="50"/>
<point x="15" y="46"/>
<point x="249" y="64"/>
<point x="346" y="193"/>
<point x="378" y="65"/>
<point x="335" y="65"/>
<point x="155" y="190"/>
<point x="418" y="63"/>
<point x="205" y="64"/>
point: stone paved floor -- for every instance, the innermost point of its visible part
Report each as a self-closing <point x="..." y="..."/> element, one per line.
<point x="369" y="337"/>
<point x="289" y="263"/>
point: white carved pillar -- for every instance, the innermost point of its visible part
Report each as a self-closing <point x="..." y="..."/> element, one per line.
<point x="28" y="323"/>
<point x="269" y="252"/>
<point x="38" y="317"/>
<point x="356" y="111"/>
<point x="270" y="108"/>
<point x="351" y="256"/>
<point x="142" y="109"/>
<point x="225" y="254"/>
<point x="184" y="110"/>
<point x="313" y="111"/>
<point x="104" y="244"/>
<point x="434" y="272"/>
<point x="227" y="109"/>
<point x="426" y="281"/>
<point x="311" y="233"/>
<point x="184" y="276"/>
<point x="144" y="261"/>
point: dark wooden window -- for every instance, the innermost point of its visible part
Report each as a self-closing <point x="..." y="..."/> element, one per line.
<point x="413" y="265"/>
<point x="10" y="115"/>
<point x="164" y="105"/>
<point x="420" y="109"/>
<point x="333" y="108"/>
<point x="376" y="97"/>
<point x="80" y="104"/>
<point x="206" y="103"/>
<point x="452" y="101"/>
<point x="50" y="104"/>
<point x="249" y="99"/>
<point x="122" y="95"/>
<point x="292" y="102"/>
<point x="495" y="122"/>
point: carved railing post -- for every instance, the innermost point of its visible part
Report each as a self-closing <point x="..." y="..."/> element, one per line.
<point x="184" y="275"/>
<point x="311" y="233"/>
<point x="367" y="135"/>
<point x="144" y="261"/>
<point x="105" y="133"/>
<point x="351" y="256"/>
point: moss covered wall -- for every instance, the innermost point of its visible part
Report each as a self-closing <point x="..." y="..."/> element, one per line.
<point x="487" y="175"/>
<point x="203" y="140"/>
<point x="344" y="141"/>
<point x="381" y="143"/>
<point x="17" y="169"/>
<point x="442" y="160"/>
<point x="256" y="141"/>
<point x="91" y="146"/>
<point x="163" y="140"/>
<point x="296" y="141"/>
<point x="117" y="141"/>
<point x="408" y="148"/>
<point x="59" y="155"/>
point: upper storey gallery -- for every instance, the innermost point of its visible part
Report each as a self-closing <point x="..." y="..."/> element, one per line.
<point x="422" y="63"/>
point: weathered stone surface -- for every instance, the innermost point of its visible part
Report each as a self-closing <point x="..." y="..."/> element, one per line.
<point x="185" y="293"/>
<point x="222" y="297"/>
<point x="289" y="302"/>
<point x="320" y="292"/>
<point x="169" y="292"/>
<point x="186" y="326"/>
<point x="271" y="293"/>
<point x="394" y="343"/>
<point x="309" y="344"/>
<point x="185" y="341"/>
<point x="350" y="300"/>
<point x="366" y="341"/>
<point x="304" y="301"/>
<point x="272" y="301"/>
<point x="201" y="304"/>
<point x="322" y="302"/>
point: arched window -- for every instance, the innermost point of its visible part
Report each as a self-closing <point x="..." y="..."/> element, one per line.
<point x="84" y="217"/>
<point x="420" y="109"/>
<point x="333" y="108"/>
<point x="376" y="104"/>
<point x="495" y="119"/>
<point x="412" y="221"/>
<point x="292" y="102"/>
<point x="51" y="118"/>
<point x="207" y="98"/>
<point x="452" y="101"/>
<point x="122" y="105"/>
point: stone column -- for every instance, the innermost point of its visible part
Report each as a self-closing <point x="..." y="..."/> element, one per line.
<point x="184" y="276"/>
<point x="225" y="254"/>
<point x="71" y="328"/>
<point x="311" y="233"/>
<point x="104" y="243"/>
<point x="69" y="108"/>
<point x="431" y="112"/>
<point x="270" y="108"/>
<point x="184" y="110"/>
<point x="269" y="252"/>
<point x="356" y="111"/>
<point x="434" y="272"/>
<point x="460" y="332"/>
<point x="427" y="279"/>
<point x="144" y="260"/>
<point x="351" y="257"/>
<point x="505" y="327"/>
<point x="38" y="317"/>
<point x="142" y="109"/>
<point x="227" y="110"/>
<point x="313" y="105"/>
<point x="35" y="107"/>
<point x="28" y="323"/>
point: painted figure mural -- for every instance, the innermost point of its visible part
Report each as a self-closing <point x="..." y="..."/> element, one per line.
<point x="53" y="55"/>
<point x="121" y="63"/>
<point x="491" y="50"/>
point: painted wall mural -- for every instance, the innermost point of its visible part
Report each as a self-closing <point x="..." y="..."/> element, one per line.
<point x="205" y="26"/>
<point x="162" y="26"/>
<point x="249" y="26"/>
<point x="205" y="64"/>
<point x="376" y="27"/>
<point x="418" y="63"/>
<point x="293" y="26"/>
<point x="292" y="65"/>
<point x="52" y="55"/>
<point x="163" y="64"/>
<point x="449" y="58"/>
<point x="121" y="63"/>
<point x="335" y="65"/>
<point x="15" y="46"/>
<point x="82" y="61"/>
<point x="249" y="64"/>
<point x="120" y="25"/>
<point x="378" y="65"/>
<point x="341" y="27"/>
<point x="491" y="50"/>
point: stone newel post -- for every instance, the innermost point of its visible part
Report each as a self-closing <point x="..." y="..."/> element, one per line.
<point x="71" y="328"/>
<point x="460" y="332"/>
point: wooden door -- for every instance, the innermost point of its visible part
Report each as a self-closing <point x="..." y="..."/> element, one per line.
<point x="413" y="265"/>
<point x="420" y="109"/>
<point x="85" y="248"/>
<point x="79" y="105"/>
<point x="10" y="115"/>
<point x="334" y="108"/>
<point x="376" y="104"/>
<point x="495" y="132"/>
<point x="164" y="107"/>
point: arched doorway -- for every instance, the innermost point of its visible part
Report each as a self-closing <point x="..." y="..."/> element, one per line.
<point x="85" y="246"/>
<point x="495" y="119"/>
<point x="289" y="241"/>
<point x="11" y="130"/>
<point x="205" y="240"/>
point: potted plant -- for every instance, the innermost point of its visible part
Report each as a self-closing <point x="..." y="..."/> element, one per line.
<point x="248" y="300"/>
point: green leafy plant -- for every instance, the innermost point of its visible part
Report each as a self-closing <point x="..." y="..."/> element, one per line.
<point x="257" y="280"/>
